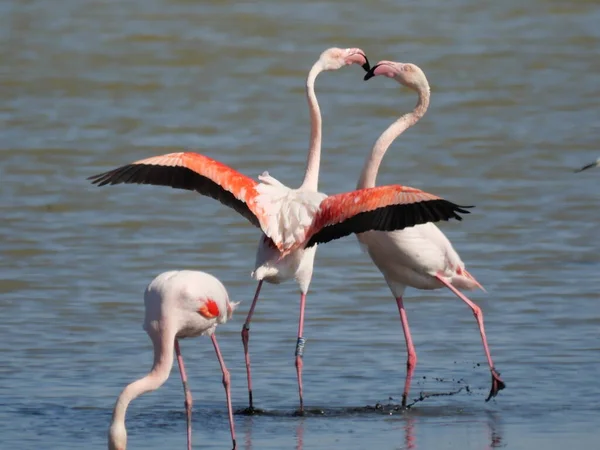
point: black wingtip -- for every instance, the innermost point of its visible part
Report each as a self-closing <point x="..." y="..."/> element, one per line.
<point x="392" y="218"/>
<point x="103" y="178"/>
<point x="94" y="178"/>
<point x="587" y="166"/>
<point x="463" y="209"/>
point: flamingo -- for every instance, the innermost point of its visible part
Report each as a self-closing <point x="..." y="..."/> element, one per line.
<point x="293" y="221"/>
<point x="589" y="166"/>
<point x="422" y="256"/>
<point x="178" y="304"/>
<point x="268" y="266"/>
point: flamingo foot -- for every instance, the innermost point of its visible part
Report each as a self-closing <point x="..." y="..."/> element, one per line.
<point x="250" y="410"/>
<point x="404" y="398"/>
<point x="497" y="385"/>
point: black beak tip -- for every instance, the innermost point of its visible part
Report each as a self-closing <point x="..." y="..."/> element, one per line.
<point x="370" y="73"/>
<point x="366" y="66"/>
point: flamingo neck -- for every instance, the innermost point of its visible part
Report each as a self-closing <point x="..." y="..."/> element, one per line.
<point x="161" y="368"/>
<point x="311" y="177"/>
<point x="368" y="176"/>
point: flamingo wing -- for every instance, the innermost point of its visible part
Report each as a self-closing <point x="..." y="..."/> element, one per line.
<point x="383" y="208"/>
<point x="193" y="172"/>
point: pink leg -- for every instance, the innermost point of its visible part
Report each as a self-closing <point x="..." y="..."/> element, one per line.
<point x="245" y="339"/>
<point x="227" y="385"/>
<point x="411" y="362"/>
<point x="497" y="383"/>
<point x="300" y="349"/>
<point x="188" y="394"/>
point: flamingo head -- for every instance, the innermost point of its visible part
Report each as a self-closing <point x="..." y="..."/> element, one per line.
<point x="335" y="58"/>
<point x="406" y="74"/>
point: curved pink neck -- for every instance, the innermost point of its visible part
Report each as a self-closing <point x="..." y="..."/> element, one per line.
<point x="368" y="176"/>
<point x="161" y="368"/>
<point x="311" y="176"/>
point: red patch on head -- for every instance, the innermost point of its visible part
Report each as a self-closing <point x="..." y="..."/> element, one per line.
<point x="209" y="309"/>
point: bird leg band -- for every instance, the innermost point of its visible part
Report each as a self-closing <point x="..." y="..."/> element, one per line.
<point x="300" y="347"/>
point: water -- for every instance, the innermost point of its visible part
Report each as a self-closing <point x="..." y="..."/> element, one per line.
<point x="90" y="85"/>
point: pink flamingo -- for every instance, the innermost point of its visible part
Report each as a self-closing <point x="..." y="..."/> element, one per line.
<point x="178" y="304"/>
<point x="293" y="221"/>
<point x="270" y="267"/>
<point x="589" y="166"/>
<point x="421" y="256"/>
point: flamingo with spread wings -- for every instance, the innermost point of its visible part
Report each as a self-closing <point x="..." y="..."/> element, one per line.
<point x="293" y="221"/>
<point x="421" y="256"/>
<point x="270" y="266"/>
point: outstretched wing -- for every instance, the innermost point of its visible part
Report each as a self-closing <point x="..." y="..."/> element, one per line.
<point x="383" y="208"/>
<point x="193" y="172"/>
<point x="589" y="166"/>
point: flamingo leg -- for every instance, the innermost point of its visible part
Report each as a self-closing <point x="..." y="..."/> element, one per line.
<point x="227" y="386"/>
<point x="497" y="383"/>
<point x="411" y="361"/>
<point x="300" y="349"/>
<point x="245" y="339"/>
<point x="188" y="394"/>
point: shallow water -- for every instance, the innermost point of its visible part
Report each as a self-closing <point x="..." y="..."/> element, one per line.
<point x="90" y="85"/>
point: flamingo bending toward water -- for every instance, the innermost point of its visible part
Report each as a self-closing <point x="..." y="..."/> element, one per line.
<point x="293" y="221"/>
<point x="269" y="265"/>
<point x="589" y="166"/>
<point x="178" y="304"/>
<point x="421" y="256"/>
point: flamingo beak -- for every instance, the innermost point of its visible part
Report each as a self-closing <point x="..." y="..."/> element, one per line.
<point x="357" y="58"/>
<point x="366" y="66"/>
<point x="370" y="73"/>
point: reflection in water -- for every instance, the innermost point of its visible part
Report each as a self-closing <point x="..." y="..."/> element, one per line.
<point x="250" y="422"/>
<point x="300" y="434"/>
<point x="409" y="433"/>
<point x="495" y="430"/>
<point x="492" y="426"/>
<point x="249" y="425"/>
<point x="409" y="421"/>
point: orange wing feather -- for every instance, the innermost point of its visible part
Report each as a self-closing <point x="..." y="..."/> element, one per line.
<point x="191" y="171"/>
<point x="337" y="208"/>
<point x="382" y="208"/>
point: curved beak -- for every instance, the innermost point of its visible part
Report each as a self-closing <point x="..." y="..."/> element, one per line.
<point x="370" y="73"/>
<point x="366" y="66"/>
<point x="357" y="58"/>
